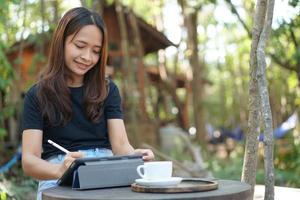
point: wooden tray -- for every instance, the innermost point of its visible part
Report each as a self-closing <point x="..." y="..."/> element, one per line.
<point x="186" y="185"/>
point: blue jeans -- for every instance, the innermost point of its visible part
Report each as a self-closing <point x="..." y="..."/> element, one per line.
<point x="97" y="152"/>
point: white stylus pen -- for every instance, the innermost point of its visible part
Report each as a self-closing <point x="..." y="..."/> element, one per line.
<point x="58" y="146"/>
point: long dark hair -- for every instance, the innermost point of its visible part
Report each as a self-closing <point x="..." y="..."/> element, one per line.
<point x="53" y="92"/>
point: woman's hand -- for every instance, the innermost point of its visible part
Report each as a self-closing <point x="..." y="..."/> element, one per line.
<point x="147" y="154"/>
<point x="69" y="159"/>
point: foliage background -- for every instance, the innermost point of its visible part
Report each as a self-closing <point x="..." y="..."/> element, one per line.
<point x="224" y="46"/>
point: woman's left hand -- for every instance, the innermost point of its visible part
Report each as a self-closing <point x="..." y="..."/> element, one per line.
<point x="147" y="154"/>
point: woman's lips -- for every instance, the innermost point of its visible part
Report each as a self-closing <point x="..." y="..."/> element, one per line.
<point x="81" y="65"/>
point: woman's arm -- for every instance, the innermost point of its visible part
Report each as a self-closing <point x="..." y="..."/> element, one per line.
<point x="32" y="163"/>
<point x="118" y="137"/>
<point x="119" y="140"/>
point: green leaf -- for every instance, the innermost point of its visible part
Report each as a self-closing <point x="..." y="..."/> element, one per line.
<point x="2" y="132"/>
<point x="292" y="81"/>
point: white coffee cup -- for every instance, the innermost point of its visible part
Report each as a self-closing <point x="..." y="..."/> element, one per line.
<point x="155" y="170"/>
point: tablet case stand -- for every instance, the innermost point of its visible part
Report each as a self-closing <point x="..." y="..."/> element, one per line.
<point x="108" y="173"/>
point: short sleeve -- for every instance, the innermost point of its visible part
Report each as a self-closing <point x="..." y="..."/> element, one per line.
<point x="112" y="105"/>
<point x="32" y="116"/>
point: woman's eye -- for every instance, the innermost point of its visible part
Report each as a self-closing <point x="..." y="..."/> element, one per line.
<point x="96" y="52"/>
<point x="79" y="46"/>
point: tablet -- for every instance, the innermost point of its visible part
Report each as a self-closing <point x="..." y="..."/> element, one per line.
<point x="67" y="177"/>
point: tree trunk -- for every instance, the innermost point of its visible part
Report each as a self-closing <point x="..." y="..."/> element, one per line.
<point x="190" y="21"/>
<point x="259" y="99"/>
<point x="42" y="10"/>
<point x="128" y="78"/>
<point x="251" y="148"/>
<point x="223" y="99"/>
<point x="83" y="3"/>
<point x="98" y="6"/>
<point x="55" y="6"/>
<point x="16" y="92"/>
<point x="265" y="104"/>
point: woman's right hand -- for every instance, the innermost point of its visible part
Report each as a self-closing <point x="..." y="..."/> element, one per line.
<point x="69" y="159"/>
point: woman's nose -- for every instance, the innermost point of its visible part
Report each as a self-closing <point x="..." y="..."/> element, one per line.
<point x="86" y="56"/>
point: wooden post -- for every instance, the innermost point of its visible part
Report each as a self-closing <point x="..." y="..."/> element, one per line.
<point x="128" y="79"/>
<point x="141" y="75"/>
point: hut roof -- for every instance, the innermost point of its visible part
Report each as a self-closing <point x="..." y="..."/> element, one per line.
<point x="152" y="39"/>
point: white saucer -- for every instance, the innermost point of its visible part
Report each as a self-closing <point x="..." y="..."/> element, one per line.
<point x="159" y="182"/>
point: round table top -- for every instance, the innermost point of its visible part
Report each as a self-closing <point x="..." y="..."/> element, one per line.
<point x="227" y="189"/>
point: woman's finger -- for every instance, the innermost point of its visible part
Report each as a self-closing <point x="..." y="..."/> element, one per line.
<point x="75" y="154"/>
<point x="147" y="154"/>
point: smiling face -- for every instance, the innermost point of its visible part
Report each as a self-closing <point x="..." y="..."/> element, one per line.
<point x="82" y="52"/>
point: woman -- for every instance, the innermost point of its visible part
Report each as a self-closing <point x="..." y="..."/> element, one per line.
<point x="73" y="104"/>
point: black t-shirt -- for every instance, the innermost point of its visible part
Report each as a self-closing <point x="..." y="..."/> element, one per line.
<point x="79" y="133"/>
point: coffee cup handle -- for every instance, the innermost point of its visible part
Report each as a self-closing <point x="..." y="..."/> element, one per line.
<point x="138" y="169"/>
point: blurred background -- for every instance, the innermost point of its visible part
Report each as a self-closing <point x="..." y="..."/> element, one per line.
<point x="182" y="67"/>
